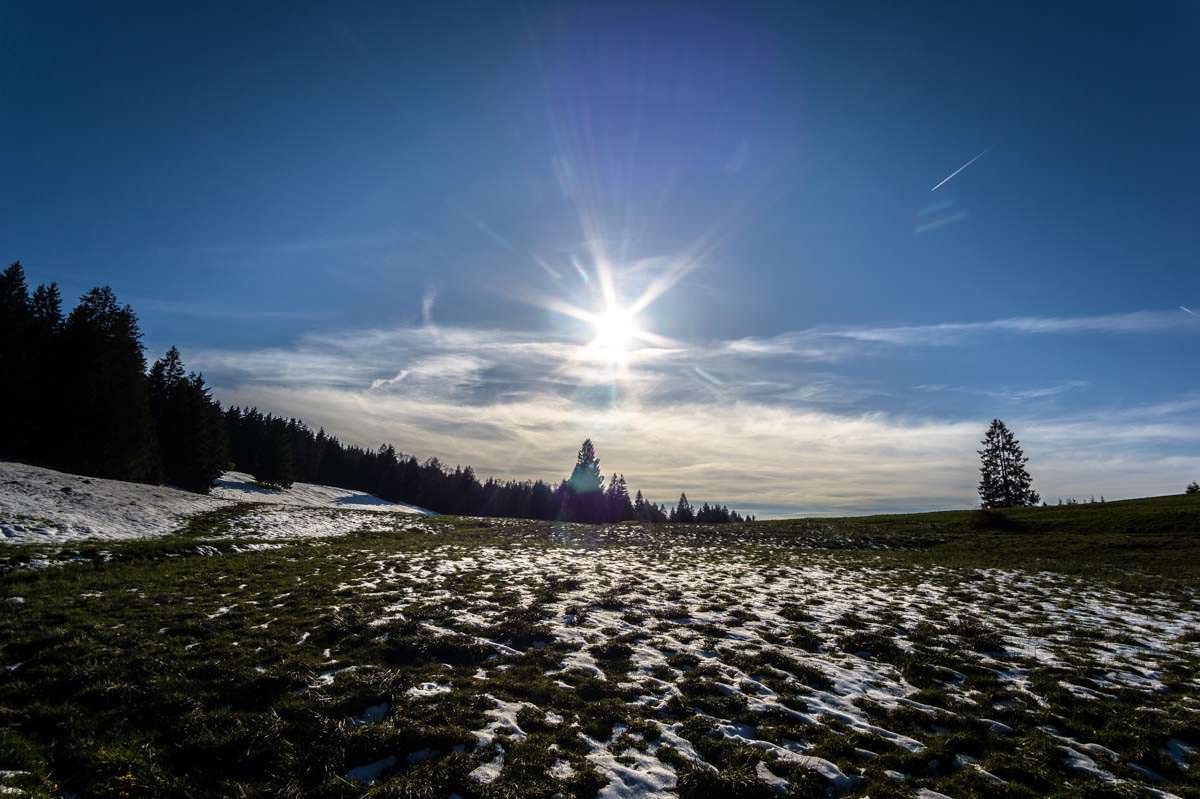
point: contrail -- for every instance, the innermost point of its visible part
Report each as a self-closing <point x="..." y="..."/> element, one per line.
<point x="946" y="179"/>
<point x="1186" y="309"/>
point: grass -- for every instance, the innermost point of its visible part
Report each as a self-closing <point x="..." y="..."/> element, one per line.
<point x="904" y="652"/>
<point x="1139" y="543"/>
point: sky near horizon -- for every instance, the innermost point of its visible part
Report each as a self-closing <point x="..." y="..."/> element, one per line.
<point x="399" y="220"/>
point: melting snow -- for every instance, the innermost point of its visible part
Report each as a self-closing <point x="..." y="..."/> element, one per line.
<point x="40" y="505"/>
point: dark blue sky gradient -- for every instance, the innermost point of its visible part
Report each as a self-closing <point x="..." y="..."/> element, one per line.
<point x="246" y="174"/>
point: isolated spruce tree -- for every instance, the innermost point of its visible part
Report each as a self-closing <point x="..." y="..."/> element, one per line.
<point x="585" y="477"/>
<point x="1193" y="488"/>
<point x="583" y="497"/>
<point x="1004" y="482"/>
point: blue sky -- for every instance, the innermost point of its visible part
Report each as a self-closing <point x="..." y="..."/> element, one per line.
<point x="371" y="216"/>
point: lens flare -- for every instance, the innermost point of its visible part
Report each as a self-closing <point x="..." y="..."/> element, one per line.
<point x="616" y="331"/>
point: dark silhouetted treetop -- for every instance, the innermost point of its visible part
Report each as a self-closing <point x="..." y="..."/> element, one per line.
<point x="585" y="477"/>
<point x="189" y="425"/>
<point x="16" y="366"/>
<point x="1004" y="481"/>
<point x="105" y="425"/>
<point x="683" y="512"/>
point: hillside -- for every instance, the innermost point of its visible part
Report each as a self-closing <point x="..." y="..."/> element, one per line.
<point x="46" y="506"/>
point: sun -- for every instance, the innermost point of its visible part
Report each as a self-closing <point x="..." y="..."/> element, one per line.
<point x="617" y="333"/>
<point x="616" y="330"/>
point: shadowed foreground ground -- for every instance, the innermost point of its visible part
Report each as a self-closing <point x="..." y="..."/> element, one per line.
<point x="890" y="656"/>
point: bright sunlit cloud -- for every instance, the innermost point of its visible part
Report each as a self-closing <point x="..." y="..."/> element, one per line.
<point x="777" y="433"/>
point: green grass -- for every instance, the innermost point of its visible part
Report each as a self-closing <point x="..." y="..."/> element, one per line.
<point x="183" y="667"/>
<point x="1139" y="543"/>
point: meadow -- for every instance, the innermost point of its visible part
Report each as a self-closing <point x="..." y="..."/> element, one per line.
<point x="339" y="653"/>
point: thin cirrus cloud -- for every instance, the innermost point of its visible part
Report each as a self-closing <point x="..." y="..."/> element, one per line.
<point x="828" y="343"/>
<point x="1012" y="394"/>
<point x="740" y="422"/>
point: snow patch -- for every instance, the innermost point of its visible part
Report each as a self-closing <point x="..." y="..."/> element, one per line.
<point x="44" y="506"/>
<point x="241" y="487"/>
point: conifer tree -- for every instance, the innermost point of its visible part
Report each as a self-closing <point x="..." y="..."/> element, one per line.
<point x="189" y="424"/>
<point x="641" y="510"/>
<point x="45" y="309"/>
<point x="104" y="426"/>
<point x="683" y="512"/>
<point x="583" y="498"/>
<point x="273" y="460"/>
<point x="15" y="364"/>
<point x="620" y="507"/>
<point x="1004" y="481"/>
<point x="585" y="477"/>
<point x="43" y="349"/>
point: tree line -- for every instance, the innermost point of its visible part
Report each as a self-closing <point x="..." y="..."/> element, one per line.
<point x="278" y="451"/>
<point x="79" y="398"/>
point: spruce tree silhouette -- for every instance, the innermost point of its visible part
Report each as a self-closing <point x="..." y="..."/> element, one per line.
<point x="1004" y="482"/>
<point x="583" y="500"/>
<point x="15" y="364"/>
<point x="105" y="427"/>
<point x="189" y="425"/>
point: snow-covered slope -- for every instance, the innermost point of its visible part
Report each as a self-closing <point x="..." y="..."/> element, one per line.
<point x="41" y="505"/>
<point x="241" y="487"/>
<point x="44" y="506"/>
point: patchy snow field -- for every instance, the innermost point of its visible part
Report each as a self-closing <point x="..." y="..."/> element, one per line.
<point x="487" y="658"/>
<point x="241" y="487"/>
<point x="284" y="522"/>
<point x="45" y="506"/>
<point x="709" y="648"/>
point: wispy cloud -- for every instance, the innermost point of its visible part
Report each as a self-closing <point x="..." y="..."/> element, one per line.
<point x="708" y="418"/>
<point x="822" y="343"/>
<point x="1016" y="395"/>
<point x="221" y="311"/>
<point x="1136" y="322"/>
<point x="300" y="245"/>
<point x="427" y="302"/>
<point x="941" y="221"/>
<point x="767" y="456"/>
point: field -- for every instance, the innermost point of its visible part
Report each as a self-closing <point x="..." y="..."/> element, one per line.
<point x="339" y="653"/>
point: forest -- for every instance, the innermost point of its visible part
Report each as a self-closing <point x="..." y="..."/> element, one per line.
<point x="78" y="397"/>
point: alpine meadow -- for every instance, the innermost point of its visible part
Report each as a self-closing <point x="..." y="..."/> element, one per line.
<point x="681" y="400"/>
